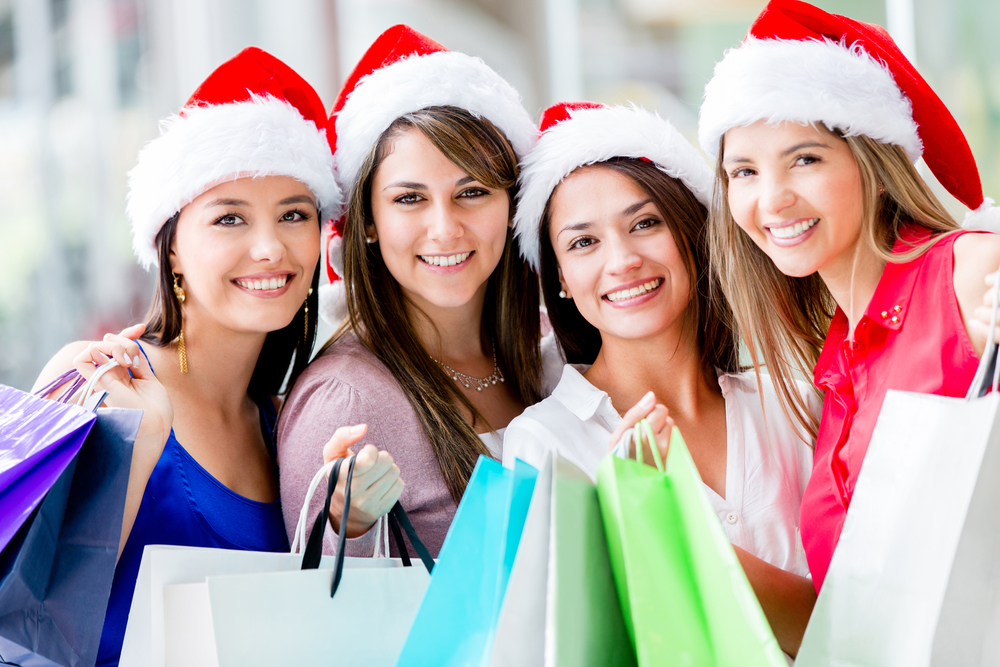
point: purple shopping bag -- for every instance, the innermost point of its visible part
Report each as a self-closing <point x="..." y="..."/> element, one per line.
<point x="38" y="440"/>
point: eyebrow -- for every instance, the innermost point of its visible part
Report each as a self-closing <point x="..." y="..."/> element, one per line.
<point x="580" y="226"/>
<point x="635" y="208"/>
<point x="297" y="199"/>
<point x="807" y="144"/>
<point x="228" y="202"/>
<point x="413" y="185"/>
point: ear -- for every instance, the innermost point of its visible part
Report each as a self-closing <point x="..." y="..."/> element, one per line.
<point x="562" y="284"/>
<point x="175" y="262"/>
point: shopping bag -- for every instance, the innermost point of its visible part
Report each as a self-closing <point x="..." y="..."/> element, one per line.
<point x="561" y="606"/>
<point x="912" y="581"/>
<point x="38" y="440"/>
<point x="684" y="597"/>
<point x="354" y="615"/>
<point x="56" y="572"/>
<point x="459" y="612"/>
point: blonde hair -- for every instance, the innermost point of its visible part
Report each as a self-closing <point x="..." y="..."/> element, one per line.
<point x="784" y="320"/>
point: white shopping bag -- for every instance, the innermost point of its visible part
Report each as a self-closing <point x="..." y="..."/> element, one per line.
<point x="344" y="616"/>
<point x="561" y="605"/>
<point x="882" y="599"/>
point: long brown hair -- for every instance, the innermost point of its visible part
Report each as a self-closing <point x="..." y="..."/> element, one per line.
<point x="285" y="347"/>
<point x="377" y="311"/>
<point x="685" y="217"/>
<point x="784" y="320"/>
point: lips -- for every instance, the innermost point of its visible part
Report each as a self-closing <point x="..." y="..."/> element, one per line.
<point x="787" y="232"/>
<point x="633" y="292"/>
<point x="445" y="260"/>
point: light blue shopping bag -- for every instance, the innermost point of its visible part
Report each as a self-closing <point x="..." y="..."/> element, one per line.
<point x="458" y="615"/>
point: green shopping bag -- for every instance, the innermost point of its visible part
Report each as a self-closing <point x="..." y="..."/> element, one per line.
<point x="684" y="596"/>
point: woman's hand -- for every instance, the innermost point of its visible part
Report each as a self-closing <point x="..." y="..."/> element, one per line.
<point x="132" y="384"/>
<point x="981" y="322"/>
<point x="375" y="484"/>
<point x="659" y="419"/>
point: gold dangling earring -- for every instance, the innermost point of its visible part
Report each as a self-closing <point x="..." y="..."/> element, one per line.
<point x="305" y="319"/>
<point x="181" y="349"/>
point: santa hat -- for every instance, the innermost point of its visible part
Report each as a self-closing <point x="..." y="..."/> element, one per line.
<point x="252" y="117"/>
<point x="574" y="134"/>
<point x="801" y="64"/>
<point x="404" y="71"/>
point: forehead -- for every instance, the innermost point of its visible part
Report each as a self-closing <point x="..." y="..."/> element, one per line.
<point x="763" y="138"/>
<point x="593" y="190"/>
<point x="254" y="190"/>
<point x="412" y="156"/>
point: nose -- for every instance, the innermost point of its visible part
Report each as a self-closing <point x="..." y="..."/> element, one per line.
<point x="267" y="245"/>
<point x="622" y="256"/>
<point x="775" y="195"/>
<point x="445" y="223"/>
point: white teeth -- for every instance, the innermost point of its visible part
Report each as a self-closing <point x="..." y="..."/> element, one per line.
<point x="792" y="231"/>
<point x="445" y="260"/>
<point x="633" y="292"/>
<point x="265" y="284"/>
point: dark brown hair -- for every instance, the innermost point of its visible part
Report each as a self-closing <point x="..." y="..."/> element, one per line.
<point x="377" y="307"/>
<point x="686" y="219"/>
<point x="281" y="347"/>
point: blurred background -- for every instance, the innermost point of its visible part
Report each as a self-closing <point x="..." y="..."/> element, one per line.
<point x="83" y="84"/>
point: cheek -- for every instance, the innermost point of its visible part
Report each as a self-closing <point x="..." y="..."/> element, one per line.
<point x="741" y="206"/>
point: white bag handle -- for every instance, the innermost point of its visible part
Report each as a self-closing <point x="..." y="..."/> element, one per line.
<point x="92" y="382"/>
<point x="299" y="541"/>
<point x="989" y="352"/>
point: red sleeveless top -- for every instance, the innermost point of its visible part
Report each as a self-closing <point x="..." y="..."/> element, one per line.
<point x="911" y="338"/>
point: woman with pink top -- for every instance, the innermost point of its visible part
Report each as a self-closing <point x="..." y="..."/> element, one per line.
<point x="441" y="346"/>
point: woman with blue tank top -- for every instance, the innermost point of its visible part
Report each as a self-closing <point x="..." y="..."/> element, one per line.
<point x="226" y="204"/>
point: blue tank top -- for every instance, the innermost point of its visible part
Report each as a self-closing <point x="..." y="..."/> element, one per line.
<point x="184" y="505"/>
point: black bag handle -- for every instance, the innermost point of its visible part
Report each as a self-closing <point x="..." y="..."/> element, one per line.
<point x="397" y="517"/>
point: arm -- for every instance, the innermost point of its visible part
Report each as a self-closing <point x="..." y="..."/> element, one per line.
<point x="787" y="599"/>
<point x="140" y="390"/>
<point x="977" y="258"/>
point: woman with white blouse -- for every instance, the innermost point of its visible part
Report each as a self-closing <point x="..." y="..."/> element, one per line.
<point x="612" y="213"/>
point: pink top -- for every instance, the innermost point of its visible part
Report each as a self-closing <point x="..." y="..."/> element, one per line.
<point x="930" y="355"/>
<point x="348" y="385"/>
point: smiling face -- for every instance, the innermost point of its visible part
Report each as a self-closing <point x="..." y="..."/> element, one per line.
<point x="617" y="258"/>
<point x="246" y="251"/>
<point x="440" y="232"/>
<point x="796" y="190"/>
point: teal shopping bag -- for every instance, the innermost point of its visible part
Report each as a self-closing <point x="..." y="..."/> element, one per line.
<point x="457" y="617"/>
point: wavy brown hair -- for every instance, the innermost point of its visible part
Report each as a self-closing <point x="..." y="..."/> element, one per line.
<point x="685" y="217"/>
<point x="284" y="348"/>
<point x="784" y="320"/>
<point x="378" y="311"/>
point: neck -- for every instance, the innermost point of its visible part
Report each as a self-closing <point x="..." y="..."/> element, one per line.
<point x="451" y="334"/>
<point x="852" y="279"/>
<point x="669" y="364"/>
<point x="220" y="363"/>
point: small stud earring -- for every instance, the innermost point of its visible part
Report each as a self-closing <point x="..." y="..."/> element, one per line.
<point x="562" y="294"/>
<point x="369" y="240"/>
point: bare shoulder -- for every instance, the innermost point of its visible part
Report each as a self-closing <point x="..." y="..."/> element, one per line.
<point x="976" y="255"/>
<point x="61" y="362"/>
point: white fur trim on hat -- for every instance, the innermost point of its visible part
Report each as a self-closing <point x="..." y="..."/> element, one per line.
<point x="806" y="81"/>
<point x="596" y="135"/>
<point x="445" y="78"/>
<point x="208" y="145"/>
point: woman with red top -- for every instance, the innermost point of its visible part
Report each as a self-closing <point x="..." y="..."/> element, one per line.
<point x="838" y="259"/>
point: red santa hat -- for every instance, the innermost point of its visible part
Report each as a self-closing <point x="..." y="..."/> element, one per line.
<point x="252" y="117"/>
<point x="574" y="134"/>
<point x="405" y="71"/>
<point x="801" y="64"/>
